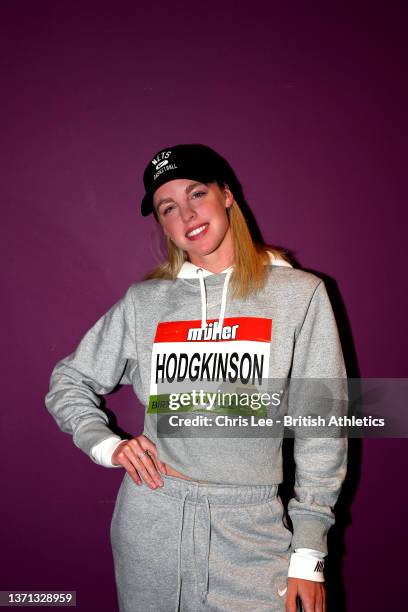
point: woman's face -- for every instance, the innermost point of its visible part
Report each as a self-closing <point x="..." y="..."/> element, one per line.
<point x="194" y="216"/>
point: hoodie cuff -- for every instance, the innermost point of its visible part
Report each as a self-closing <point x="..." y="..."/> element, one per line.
<point x="310" y="531"/>
<point x="305" y="565"/>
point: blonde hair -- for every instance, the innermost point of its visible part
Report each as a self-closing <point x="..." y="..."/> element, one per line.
<point x="250" y="258"/>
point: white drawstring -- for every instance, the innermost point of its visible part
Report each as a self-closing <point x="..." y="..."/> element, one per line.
<point x="224" y="298"/>
<point x="204" y="298"/>
<point x="204" y="593"/>
<point x="183" y="503"/>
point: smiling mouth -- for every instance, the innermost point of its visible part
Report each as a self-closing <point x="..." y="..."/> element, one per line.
<point x="197" y="231"/>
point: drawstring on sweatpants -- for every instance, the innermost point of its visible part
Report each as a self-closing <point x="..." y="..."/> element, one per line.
<point x="207" y="555"/>
<point x="204" y="298"/>
<point x="179" y="553"/>
<point x="207" y="552"/>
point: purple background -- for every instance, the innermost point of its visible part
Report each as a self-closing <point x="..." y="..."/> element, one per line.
<point x="308" y="104"/>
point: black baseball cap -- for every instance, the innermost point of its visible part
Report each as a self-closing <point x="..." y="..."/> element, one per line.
<point x="188" y="161"/>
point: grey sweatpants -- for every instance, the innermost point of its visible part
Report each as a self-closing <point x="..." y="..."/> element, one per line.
<point x="190" y="547"/>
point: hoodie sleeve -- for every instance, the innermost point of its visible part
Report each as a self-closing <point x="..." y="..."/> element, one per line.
<point x="321" y="462"/>
<point x="101" y="361"/>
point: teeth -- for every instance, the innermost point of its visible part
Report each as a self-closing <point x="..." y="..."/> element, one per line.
<point x="197" y="231"/>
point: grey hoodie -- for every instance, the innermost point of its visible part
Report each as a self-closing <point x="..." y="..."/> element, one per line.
<point x="160" y="328"/>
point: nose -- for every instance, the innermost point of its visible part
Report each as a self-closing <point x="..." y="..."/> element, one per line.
<point x="187" y="212"/>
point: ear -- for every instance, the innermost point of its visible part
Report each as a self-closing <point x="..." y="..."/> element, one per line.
<point x="229" y="198"/>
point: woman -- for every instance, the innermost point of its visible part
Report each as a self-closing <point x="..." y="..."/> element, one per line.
<point x="204" y="529"/>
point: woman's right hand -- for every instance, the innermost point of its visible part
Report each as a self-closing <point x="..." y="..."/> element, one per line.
<point x="127" y="454"/>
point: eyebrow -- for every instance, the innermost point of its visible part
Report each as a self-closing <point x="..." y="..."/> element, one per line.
<point x="187" y="190"/>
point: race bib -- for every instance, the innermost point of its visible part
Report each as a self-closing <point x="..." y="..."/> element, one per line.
<point x="205" y="362"/>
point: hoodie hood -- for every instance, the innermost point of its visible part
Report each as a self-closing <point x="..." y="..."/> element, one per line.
<point x="189" y="271"/>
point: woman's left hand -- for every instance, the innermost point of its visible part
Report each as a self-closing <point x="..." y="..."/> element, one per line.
<point x="312" y="595"/>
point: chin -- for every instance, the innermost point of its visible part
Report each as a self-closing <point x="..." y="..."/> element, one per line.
<point x="205" y="250"/>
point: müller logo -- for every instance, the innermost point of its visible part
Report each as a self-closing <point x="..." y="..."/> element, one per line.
<point x="213" y="331"/>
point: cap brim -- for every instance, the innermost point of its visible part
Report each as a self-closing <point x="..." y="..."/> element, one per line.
<point x="147" y="202"/>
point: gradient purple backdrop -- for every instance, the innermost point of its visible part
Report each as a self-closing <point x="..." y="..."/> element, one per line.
<point x="308" y="103"/>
